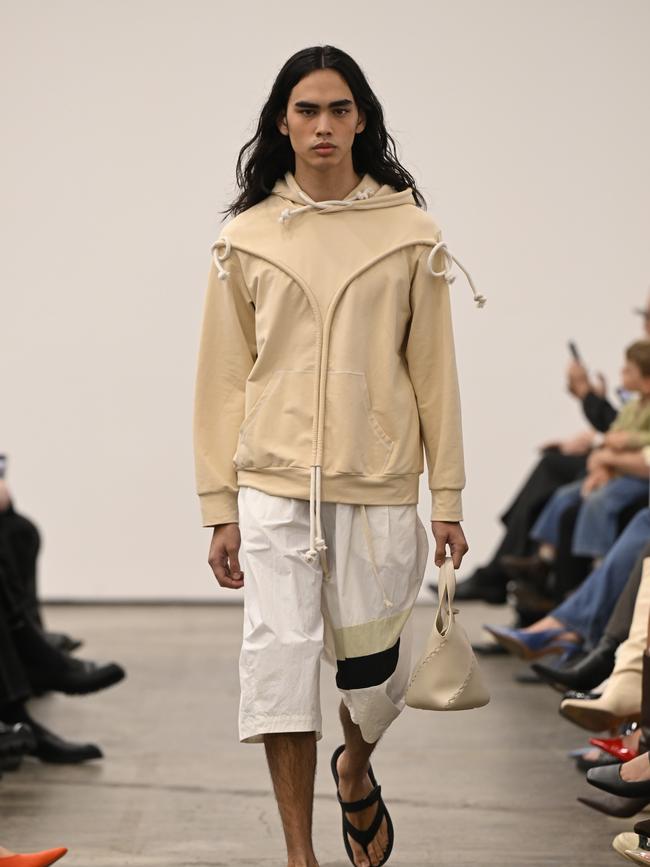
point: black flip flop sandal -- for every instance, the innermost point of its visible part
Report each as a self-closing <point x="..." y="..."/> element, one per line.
<point x="363" y="838"/>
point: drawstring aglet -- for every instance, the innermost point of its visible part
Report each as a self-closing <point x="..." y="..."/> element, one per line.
<point x="319" y="544"/>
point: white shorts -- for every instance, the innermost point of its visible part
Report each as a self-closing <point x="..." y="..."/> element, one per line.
<point x="355" y="614"/>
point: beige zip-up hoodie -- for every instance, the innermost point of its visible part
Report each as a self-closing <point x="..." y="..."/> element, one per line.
<point x="327" y="357"/>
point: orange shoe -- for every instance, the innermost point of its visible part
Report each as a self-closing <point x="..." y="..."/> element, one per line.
<point x="35" y="859"/>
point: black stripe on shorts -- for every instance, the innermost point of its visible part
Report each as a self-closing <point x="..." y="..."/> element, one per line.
<point x="359" y="672"/>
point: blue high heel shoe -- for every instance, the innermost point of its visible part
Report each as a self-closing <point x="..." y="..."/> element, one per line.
<point x="532" y="645"/>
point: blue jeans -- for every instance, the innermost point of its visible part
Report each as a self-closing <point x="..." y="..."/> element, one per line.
<point x="547" y="526"/>
<point x="587" y="610"/>
<point x="597" y="525"/>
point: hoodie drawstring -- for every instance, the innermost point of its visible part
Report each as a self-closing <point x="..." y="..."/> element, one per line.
<point x="222" y="273"/>
<point x="317" y="542"/>
<point x="287" y="213"/>
<point x="316" y="539"/>
<point x="446" y="272"/>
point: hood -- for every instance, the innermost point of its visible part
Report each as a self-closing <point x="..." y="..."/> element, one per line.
<point x="367" y="195"/>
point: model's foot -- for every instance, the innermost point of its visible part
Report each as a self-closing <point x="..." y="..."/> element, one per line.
<point x="6" y="853"/>
<point x="637" y="769"/>
<point x="353" y="787"/>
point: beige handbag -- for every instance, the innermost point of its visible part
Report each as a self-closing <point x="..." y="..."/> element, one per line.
<point x="447" y="676"/>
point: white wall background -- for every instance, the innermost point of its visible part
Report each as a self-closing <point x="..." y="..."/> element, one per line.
<point x="525" y="123"/>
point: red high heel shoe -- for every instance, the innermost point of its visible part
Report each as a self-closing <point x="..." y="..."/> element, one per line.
<point x="34" y="859"/>
<point x="613" y="746"/>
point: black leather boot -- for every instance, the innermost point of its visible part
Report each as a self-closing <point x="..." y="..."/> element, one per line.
<point x="48" y="668"/>
<point x="44" y="744"/>
<point x="586" y="674"/>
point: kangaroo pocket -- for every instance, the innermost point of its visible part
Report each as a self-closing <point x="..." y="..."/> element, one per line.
<point x="277" y="432"/>
<point x="354" y="441"/>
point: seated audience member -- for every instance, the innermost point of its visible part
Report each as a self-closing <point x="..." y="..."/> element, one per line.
<point x="591" y="670"/>
<point x="605" y="491"/>
<point x="620" y="699"/>
<point x="582" y="617"/>
<point x="30" y="662"/>
<point x="561" y="462"/>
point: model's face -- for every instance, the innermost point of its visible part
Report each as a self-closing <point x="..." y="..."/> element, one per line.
<point x="320" y="109"/>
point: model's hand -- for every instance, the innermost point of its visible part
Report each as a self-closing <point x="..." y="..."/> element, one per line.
<point x="449" y="533"/>
<point x="224" y="556"/>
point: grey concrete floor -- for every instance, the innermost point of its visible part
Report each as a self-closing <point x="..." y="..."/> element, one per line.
<point x="175" y="788"/>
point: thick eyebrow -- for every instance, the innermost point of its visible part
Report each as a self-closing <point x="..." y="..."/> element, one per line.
<point x="338" y="103"/>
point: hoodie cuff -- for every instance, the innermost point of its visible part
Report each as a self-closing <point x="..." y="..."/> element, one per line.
<point x="446" y="505"/>
<point x="220" y="508"/>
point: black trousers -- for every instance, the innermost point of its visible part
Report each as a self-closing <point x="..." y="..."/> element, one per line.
<point x="19" y="547"/>
<point x="14" y="685"/>
<point x="20" y="543"/>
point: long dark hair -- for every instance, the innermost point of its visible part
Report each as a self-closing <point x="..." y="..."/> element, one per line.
<point x="268" y="155"/>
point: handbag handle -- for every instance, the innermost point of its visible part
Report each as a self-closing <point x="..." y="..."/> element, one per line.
<point x="446" y="593"/>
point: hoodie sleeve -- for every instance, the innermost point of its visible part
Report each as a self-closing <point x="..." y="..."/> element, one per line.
<point x="227" y="353"/>
<point x="431" y="359"/>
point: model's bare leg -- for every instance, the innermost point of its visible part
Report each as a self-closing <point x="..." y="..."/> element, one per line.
<point x="291" y="758"/>
<point x="354" y="784"/>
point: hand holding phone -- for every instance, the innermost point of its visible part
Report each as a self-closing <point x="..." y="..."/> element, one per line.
<point x="573" y="349"/>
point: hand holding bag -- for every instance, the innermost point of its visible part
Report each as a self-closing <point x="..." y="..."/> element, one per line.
<point x="447" y="676"/>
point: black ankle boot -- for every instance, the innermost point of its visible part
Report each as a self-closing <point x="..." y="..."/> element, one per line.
<point x="585" y="674"/>
<point x="47" y="746"/>
<point x="48" y="668"/>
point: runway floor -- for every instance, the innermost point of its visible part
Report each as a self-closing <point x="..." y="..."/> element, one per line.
<point x="485" y="787"/>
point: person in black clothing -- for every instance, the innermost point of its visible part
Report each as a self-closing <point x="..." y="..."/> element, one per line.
<point x="32" y="661"/>
<point x="560" y="463"/>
